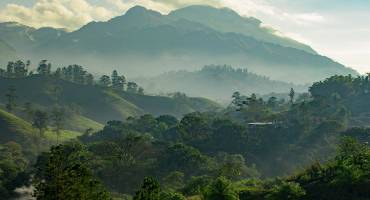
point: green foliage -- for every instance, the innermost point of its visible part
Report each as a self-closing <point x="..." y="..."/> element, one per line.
<point x="221" y="189"/>
<point x="197" y="185"/>
<point x="285" y="190"/>
<point x="150" y="190"/>
<point x="12" y="169"/>
<point x="64" y="174"/>
<point x="183" y="158"/>
<point x="172" y="196"/>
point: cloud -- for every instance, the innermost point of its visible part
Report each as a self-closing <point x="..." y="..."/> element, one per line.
<point x="70" y="14"/>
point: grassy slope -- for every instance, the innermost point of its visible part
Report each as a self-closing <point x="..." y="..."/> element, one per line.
<point x="80" y="123"/>
<point x="15" y="129"/>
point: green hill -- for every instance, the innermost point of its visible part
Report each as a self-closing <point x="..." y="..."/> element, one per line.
<point x="91" y="106"/>
<point x="15" y="129"/>
<point x="216" y="82"/>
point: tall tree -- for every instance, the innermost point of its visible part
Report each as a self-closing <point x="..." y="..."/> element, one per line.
<point x="104" y="81"/>
<point x="20" y="69"/>
<point x="11" y="97"/>
<point x="115" y="79"/>
<point x="63" y="174"/>
<point x="44" y="68"/>
<point x="118" y="82"/>
<point x="40" y="122"/>
<point x="291" y="95"/>
<point x="10" y="70"/>
<point x="132" y="87"/>
<point x="140" y="91"/>
<point x="57" y="117"/>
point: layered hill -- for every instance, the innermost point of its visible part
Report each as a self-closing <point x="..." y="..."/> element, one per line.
<point x="216" y="82"/>
<point x="91" y="106"/>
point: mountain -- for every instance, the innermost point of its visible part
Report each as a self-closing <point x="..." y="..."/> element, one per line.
<point x="227" y="20"/>
<point x="216" y="82"/>
<point x="91" y="106"/>
<point x="145" y="42"/>
<point x="24" y="38"/>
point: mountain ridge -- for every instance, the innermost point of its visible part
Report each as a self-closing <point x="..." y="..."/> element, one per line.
<point x="146" y="42"/>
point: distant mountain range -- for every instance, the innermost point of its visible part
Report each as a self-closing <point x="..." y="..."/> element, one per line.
<point x="145" y="42"/>
<point x="216" y="82"/>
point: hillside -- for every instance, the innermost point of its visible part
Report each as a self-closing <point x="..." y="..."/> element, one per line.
<point x="216" y="82"/>
<point x="94" y="105"/>
<point x="6" y="52"/>
<point x="15" y="129"/>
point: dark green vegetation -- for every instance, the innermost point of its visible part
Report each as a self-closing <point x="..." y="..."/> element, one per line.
<point x="145" y="42"/>
<point x="310" y="142"/>
<point x="214" y="82"/>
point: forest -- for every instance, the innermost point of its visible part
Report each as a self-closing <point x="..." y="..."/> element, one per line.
<point x="309" y="146"/>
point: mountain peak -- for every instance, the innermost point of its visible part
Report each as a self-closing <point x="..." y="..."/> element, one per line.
<point x="140" y="10"/>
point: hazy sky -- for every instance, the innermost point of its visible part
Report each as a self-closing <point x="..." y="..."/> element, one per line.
<point x="339" y="29"/>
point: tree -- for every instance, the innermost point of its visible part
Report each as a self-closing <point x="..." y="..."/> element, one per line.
<point x="115" y="80"/>
<point x="104" y="81"/>
<point x="150" y="190"/>
<point x="44" y="68"/>
<point x="63" y="174"/>
<point x="11" y="97"/>
<point x="40" y="122"/>
<point x="2" y="73"/>
<point x="221" y="189"/>
<point x="237" y="101"/>
<point x="285" y="190"/>
<point x="140" y="91"/>
<point x="10" y="70"/>
<point x="57" y="117"/>
<point x="20" y="69"/>
<point x="272" y="102"/>
<point x="78" y="74"/>
<point x="291" y="95"/>
<point x="132" y="87"/>
<point x="89" y="79"/>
